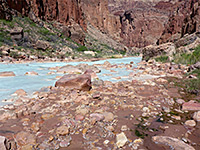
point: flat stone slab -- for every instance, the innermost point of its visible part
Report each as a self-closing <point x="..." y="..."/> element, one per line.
<point x="191" y="106"/>
<point x="173" y="143"/>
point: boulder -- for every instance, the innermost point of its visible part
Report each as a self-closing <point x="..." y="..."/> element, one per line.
<point x="91" y="73"/>
<point x="196" y="116"/>
<point x="7" y="74"/>
<point x="153" y="51"/>
<point x="24" y="138"/>
<point x="42" y="45"/>
<point x="191" y="106"/>
<point x="186" y="40"/>
<point x="4" y="143"/>
<point x="20" y="92"/>
<point x="194" y="66"/>
<point x="17" y="33"/>
<point x="173" y="143"/>
<point x="121" y="140"/>
<point x="74" y="81"/>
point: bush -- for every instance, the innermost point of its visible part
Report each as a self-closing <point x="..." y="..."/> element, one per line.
<point x="162" y="59"/>
<point x="188" y="59"/>
<point x="82" y="48"/>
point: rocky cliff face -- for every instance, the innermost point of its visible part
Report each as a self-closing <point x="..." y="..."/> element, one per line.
<point x="136" y="23"/>
<point x="184" y="20"/>
<point x="98" y="15"/>
<point x="142" y="25"/>
<point x="5" y="12"/>
<point x="66" y="12"/>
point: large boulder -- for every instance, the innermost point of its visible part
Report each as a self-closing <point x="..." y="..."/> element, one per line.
<point x="7" y="74"/>
<point x="4" y="143"/>
<point x="74" y="81"/>
<point x="17" y="33"/>
<point x="153" y="51"/>
<point x="42" y="45"/>
<point x="173" y="143"/>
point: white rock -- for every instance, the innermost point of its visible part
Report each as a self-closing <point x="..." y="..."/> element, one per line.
<point x="196" y="116"/>
<point x="190" y="123"/>
<point x="121" y="139"/>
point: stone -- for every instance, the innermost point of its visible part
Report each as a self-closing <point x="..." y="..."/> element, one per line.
<point x="190" y="123"/>
<point x="69" y="69"/>
<point x="176" y="117"/>
<point x="73" y="81"/>
<point x="110" y="128"/>
<point x="180" y="101"/>
<point x="41" y="45"/>
<point x="97" y="116"/>
<point x="47" y="116"/>
<point x="17" y="33"/>
<point x="79" y="118"/>
<point x="106" y="142"/>
<point x="91" y="73"/>
<point x="32" y="73"/>
<point x="124" y="128"/>
<point x="196" y="116"/>
<point x="89" y="53"/>
<point x="174" y="143"/>
<point x="7" y="74"/>
<point x="20" y="92"/>
<point x="108" y="116"/>
<point x="191" y="106"/>
<point x="35" y="126"/>
<point x="4" y="143"/>
<point x="121" y="139"/>
<point x="62" y="130"/>
<point x="24" y="138"/>
<point x="82" y="111"/>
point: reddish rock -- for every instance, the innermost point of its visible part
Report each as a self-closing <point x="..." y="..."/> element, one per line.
<point x="24" y="138"/>
<point x="20" y="92"/>
<point x="79" y="118"/>
<point x="191" y="106"/>
<point x="74" y="81"/>
<point x="7" y="74"/>
<point x="97" y="116"/>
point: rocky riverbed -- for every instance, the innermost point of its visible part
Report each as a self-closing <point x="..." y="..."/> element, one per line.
<point x="144" y="111"/>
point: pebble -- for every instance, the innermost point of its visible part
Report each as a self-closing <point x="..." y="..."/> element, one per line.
<point x="106" y="142"/>
<point x="124" y="128"/>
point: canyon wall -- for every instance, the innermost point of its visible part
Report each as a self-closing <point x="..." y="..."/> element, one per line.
<point x="184" y="20"/>
<point x="135" y="23"/>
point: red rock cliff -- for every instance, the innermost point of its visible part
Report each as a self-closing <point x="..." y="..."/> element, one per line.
<point x="184" y="20"/>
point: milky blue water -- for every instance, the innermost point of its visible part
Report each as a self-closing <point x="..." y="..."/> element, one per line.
<point x="8" y="85"/>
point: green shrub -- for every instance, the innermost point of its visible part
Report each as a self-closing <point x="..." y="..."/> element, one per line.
<point x="186" y="58"/>
<point x="162" y="59"/>
<point x="82" y="48"/>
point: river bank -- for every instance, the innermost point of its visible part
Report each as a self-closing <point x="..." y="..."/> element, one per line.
<point x="145" y="112"/>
